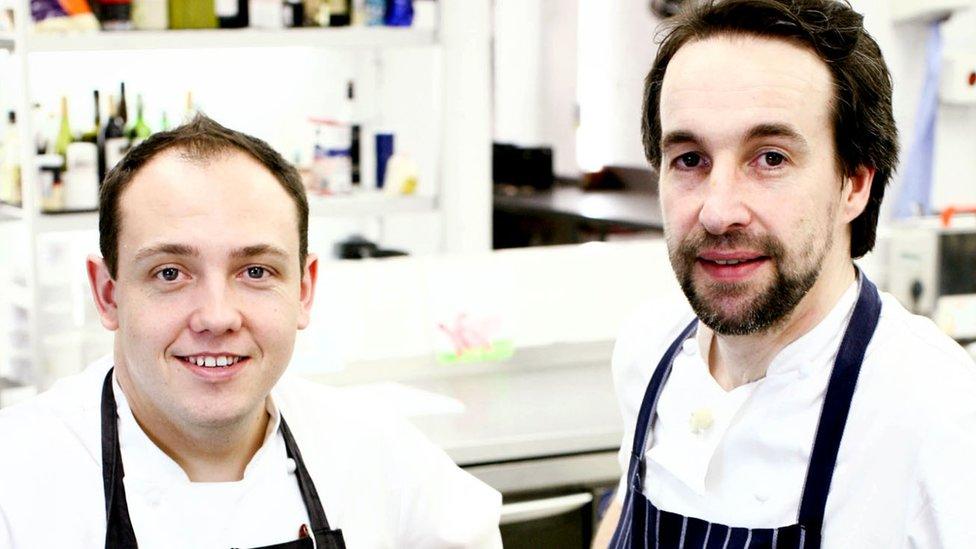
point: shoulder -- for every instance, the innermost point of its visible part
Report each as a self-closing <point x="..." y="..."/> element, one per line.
<point x="50" y="464"/>
<point x="387" y="470"/>
<point x="923" y="378"/>
<point x="63" y="418"/>
<point x="912" y="349"/>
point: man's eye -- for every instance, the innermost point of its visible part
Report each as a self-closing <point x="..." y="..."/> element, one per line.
<point x="256" y="273"/>
<point x="689" y="160"/>
<point x="169" y="274"/>
<point x="773" y="159"/>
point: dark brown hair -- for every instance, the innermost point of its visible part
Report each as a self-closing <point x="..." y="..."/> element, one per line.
<point x="863" y="124"/>
<point x="200" y="139"/>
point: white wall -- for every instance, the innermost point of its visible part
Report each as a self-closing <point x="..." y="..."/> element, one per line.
<point x="616" y="48"/>
<point x="535" y="77"/>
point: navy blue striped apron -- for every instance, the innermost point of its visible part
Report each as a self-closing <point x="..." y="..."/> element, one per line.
<point x="644" y="525"/>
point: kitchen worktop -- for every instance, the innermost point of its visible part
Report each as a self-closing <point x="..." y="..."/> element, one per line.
<point x="549" y="401"/>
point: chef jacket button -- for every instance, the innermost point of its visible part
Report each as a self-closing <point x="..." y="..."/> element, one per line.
<point x="701" y="420"/>
<point x="291" y="466"/>
<point x="690" y="346"/>
<point x="761" y="497"/>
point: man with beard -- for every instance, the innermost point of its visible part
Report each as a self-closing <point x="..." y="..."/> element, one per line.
<point x="791" y="405"/>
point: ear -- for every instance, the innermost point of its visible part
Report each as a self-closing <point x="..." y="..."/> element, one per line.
<point x="103" y="291"/>
<point x="857" y="191"/>
<point x="307" y="291"/>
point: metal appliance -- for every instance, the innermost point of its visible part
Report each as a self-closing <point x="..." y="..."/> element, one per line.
<point x="932" y="270"/>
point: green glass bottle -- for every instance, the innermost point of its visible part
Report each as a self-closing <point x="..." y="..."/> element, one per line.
<point x="64" y="133"/>
<point x="192" y="14"/>
<point x="139" y="130"/>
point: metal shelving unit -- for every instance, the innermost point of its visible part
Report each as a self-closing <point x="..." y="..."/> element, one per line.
<point x="346" y="37"/>
<point x="462" y="42"/>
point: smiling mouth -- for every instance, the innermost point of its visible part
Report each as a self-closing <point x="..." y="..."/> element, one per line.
<point x="212" y="361"/>
<point x="729" y="262"/>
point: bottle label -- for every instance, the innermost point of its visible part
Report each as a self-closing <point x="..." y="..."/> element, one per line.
<point x="115" y="149"/>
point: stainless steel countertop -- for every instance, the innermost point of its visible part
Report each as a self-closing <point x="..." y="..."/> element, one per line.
<point x="548" y="401"/>
<point x="526" y="414"/>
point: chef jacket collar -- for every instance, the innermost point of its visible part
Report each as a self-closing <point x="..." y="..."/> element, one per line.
<point x="818" y="347"/>
<point x="146" y="463"/>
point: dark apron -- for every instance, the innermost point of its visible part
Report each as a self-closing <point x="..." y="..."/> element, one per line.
<point x="119" y="533"/>
<point x="644" y="525"/>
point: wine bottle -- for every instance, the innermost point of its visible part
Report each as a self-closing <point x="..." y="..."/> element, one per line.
<point x="91" y="136"/>
<point x="139" y="130"/>
<point x="123" y="111"/>
<point x="112" y="143"/>
<point x="64" y="133"/>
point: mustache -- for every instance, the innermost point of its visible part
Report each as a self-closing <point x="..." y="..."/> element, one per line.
<point x="690" y="247"/>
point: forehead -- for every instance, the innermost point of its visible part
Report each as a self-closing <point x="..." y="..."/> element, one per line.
<point x="214" y="204"/>
<point x="725" y="84"/>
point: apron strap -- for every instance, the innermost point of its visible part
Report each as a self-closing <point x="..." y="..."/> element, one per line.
<point x="118" y="526"/>
<point x="622" y="534"/>
<point x="313" y="505"/>
<point x="837" y="405"/>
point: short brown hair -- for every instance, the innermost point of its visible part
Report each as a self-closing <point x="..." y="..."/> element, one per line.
<point x="200" y="139"/>
<point x="863" y="124"/>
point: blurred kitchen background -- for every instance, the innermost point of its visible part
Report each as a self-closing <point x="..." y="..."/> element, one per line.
<point x="478" y="192"/>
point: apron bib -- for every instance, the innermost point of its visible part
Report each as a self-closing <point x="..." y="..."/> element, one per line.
<point x="644" y="525"/>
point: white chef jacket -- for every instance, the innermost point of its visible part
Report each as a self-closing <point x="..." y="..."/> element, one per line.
<point x="378" y="478"/>
<point x="904" y="475"/>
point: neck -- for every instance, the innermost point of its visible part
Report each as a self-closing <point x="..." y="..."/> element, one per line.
<point x="737" y="360"/>
<point x="205" y="453"/>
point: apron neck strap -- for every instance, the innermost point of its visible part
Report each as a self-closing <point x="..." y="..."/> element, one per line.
<point x="837" y="404"/>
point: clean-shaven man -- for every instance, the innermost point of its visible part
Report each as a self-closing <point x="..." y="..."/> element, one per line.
<point x="790" y="405"/>
<point x="188" y="435"/>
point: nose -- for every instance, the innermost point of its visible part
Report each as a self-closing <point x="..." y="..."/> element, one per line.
<point x="723" y="206"/>
<point x="217" y="311"/>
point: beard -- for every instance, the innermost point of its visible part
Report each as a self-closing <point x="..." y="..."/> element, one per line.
<point x="726" y="307"/>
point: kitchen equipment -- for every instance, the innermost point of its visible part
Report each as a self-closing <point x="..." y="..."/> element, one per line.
<point x="932" y="269"/>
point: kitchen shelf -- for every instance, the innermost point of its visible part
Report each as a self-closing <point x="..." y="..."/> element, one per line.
<point x="353" y="205"/>
<point x="369" y="203"/>
<point x="9" y="212"/>
<point x="7" y="40"/>
<point x="59" y="222"/>
<point x="345" y="37"/>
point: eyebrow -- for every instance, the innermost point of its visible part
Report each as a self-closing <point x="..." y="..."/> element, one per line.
<point x="166" y="249"/>
<point x="258" y="249"/>
<point x="777" y="130"/>
<point x="681" y="137"/>
<point x="190" y="251"/>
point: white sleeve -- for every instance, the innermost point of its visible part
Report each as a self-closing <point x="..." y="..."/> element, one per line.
<point x="441" y="505"/>
<point x="946" y="480"/>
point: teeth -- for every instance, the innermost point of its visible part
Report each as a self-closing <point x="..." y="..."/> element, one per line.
<point x="213" y="362"/>
<point x="729" y="261"/>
